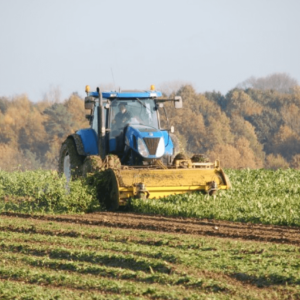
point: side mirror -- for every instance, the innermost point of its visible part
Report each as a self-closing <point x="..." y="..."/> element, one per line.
<point x="89" y="117"/>
<point x="178" y="102"/>
<point x="159" y="105"/>
<point x="89" y="102"/>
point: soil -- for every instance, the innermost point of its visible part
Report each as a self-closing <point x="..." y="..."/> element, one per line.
<point x="222" y="229"/>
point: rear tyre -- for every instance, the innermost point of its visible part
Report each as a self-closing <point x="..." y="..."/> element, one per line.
<point x="111" y="194"/>
<point x="179" y="156"/>
<point x="200" y="158"/>
<point x="91" y="164"/>
<point x="70" y="162"/>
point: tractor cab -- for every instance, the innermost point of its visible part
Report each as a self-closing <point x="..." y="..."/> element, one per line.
<point x="125" y="113"/>
<point x="127" y="124"/>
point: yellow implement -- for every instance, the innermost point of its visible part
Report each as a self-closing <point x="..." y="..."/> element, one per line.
<point x="155" y="183"/>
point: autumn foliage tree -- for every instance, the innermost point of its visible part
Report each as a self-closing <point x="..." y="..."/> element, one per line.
<point x="31" y="133"/>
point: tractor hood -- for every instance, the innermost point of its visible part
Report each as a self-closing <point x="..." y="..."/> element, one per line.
<point x="148" y="141"/>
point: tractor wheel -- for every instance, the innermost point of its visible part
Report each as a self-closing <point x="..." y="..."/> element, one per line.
<point x="179" y="156"/>
<point x="91" y="164"/>
<point x="111" y="194"/>
<point x="70" y="162"/>
<point x="106" y="182"/>
<point x="200" y="158"/>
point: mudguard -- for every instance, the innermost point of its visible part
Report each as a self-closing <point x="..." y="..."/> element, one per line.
<point x="86" y="141"/>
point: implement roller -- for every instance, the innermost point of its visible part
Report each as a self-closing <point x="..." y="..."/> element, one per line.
<point x="130" y="153"/>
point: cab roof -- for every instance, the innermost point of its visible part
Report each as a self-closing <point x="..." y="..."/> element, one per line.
<point x="127" y="94"/>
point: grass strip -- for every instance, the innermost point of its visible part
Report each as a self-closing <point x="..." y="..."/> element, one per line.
<point x="260" y="264"/>
<point x="98" y="245"/>
<point x="211" y="287"/>
<point x="122" y="260"/>
<point x="186" y="281"/>
<point x="19" y="290"/>
<point x="34" y="275"/>
<point x="239" y="267"/>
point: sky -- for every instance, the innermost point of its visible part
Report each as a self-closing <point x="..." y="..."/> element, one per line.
<point x="63" y="45"/>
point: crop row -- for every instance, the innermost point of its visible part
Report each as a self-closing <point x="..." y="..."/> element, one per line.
<point x="106" y="261"/>
<point x="45" y="191"/>
<point x="257" y="263"/>
<point x="25" y="291"/>
<point x="48" y="271"/>
<point x="257" y="196"/>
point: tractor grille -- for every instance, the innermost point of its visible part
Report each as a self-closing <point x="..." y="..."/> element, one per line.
<point x="151" y="144"/>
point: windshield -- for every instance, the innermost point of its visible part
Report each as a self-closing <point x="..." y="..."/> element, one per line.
<point x="133" y="111"/>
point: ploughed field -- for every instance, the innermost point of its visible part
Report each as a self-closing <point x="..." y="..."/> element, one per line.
<point x="181" y="247"/>
<point x="131" y="256"/>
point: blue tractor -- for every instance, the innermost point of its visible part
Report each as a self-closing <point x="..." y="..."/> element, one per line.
<point x="127" y="127"/>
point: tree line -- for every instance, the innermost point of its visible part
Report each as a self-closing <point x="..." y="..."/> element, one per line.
<point x="246" y="128"/>
<point x="31" y="133"/>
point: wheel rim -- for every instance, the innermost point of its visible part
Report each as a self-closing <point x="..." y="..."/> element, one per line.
<point x="67" y="167"/>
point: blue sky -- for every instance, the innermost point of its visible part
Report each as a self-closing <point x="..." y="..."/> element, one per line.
<point x="212" y="44"/>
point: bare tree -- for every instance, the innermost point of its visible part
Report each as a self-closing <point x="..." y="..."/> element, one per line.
<point x="53" y="95"/>
<point x="170" y="87"/>
<point x="281" y="82"/>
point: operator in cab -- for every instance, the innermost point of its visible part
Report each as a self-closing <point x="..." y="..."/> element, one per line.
<point x="123" y="116"/>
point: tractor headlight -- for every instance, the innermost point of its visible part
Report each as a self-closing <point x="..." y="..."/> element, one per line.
<point x="160" y="148"/>
<point x="142" y="148"/>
